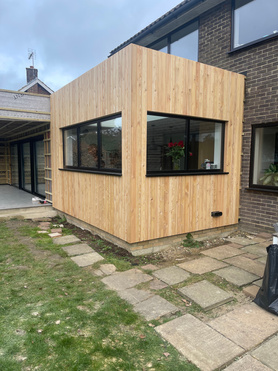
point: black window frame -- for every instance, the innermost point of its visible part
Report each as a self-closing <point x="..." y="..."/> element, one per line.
<point x="98" y="169"/>
<point x="252" y="186"/>
<point x="251" y="43"/>
<point x="168" y="37"/>
<point x="211" y="171"/>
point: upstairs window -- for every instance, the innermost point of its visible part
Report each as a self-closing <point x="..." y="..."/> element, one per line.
<point x="264" y="160"/>
<point x="94" y="146"/>
<point x="254" y="20"/>
<point x="177" y="144"/>
<point x="182" y="42"/>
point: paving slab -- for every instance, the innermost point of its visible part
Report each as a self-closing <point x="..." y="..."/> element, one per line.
<point x="155" y="307"/>
<point x="108" y="269"/>
<point x="157" y="284"/>
<point x="56" y="230"/>
<point x="252" y="266"/>
<point x="250" y="256"/>
<point x="54" y="235"/>
<point x="258" y="283"/>
<point x="235" y="245"/>
<point x="125" y="280"/>
<point x="251" y="291"/>
<point x="236" y="276"/>
<point x="262" y="260"/>
<point x="87" y="259"/>
<point x="42" y="232"/>
<point x="199" y="343"/>
<point x="150" y="267"/>
<point x="247" y="363"/>
<point x="134" y="296"/>
<point x="222" y="252"/>
<point x="267" y="353"/>
<point x="255" y="249"/>
<point x="240" y="240"/>
<point x="247" y="325"/>
<point x="202" y="265"/>
<point x="205" y="294"/>
<point x="66" y="239"/>
<point x="78" y="249"/>
<point x="264" y="235"/>
<point x="171" y="275"/>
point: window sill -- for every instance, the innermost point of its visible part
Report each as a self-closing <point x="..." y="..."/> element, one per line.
<point x="262" y="189"/>
<point x="93" y="172"/>
<point x="209" y="172"/>
<point x="253" y="43"/>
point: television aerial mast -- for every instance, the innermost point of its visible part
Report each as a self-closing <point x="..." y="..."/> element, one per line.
<point x="32" y="55"/>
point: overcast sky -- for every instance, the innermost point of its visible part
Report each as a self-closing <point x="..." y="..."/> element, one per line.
<point x="69" y="37"/>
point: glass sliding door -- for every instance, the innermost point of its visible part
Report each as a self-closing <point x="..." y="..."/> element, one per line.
<point x="26" y="180"/>
<point x="14" y="165"/>
<point x="38" y="163"/>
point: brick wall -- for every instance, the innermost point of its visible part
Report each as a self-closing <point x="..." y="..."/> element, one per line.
<point x="37" y="89"/>
<point x="259" y="210"/>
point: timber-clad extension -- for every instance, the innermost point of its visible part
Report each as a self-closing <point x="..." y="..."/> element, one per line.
<point x="132" y="207"/>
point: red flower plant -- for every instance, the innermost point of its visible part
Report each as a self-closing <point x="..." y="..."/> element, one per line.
<point x="176" y="150"/>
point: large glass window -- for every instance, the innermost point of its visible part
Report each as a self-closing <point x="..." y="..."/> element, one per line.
<point x="183" y="145"/>
<point x="264" y="164"/>
<point x="254" y="20"/>
<point x="94" y="145"/>
<point x="182" y="42"/>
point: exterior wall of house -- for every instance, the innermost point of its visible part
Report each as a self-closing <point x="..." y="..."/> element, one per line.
<point x="37" y="89"/>
<point x="134" y="207"/>
<point x="260" y="63"/>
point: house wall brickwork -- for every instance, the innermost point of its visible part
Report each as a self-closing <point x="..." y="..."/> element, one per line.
<point x="37" y="89"/>
<point x="259" y="210"/>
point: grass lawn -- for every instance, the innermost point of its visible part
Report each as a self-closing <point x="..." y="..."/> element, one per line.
<point x="57" y="316"/>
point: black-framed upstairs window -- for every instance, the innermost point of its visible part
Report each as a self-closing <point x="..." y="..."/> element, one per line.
<point x="264" y="157"/>
<point x="94" y="146"/>
<point x="254" y="21"/>
<point x="183" y="42"/>
<point x="184" y="145"/>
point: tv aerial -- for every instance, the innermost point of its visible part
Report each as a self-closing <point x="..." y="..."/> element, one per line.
<point x="32" y="56"/>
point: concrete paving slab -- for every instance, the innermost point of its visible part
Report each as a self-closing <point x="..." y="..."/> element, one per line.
<point x="150" y="267"/>
<point x="267" y="353"/>
<point x="87" y="259"/>
<point x="255" y="249"/>
<point x="199" y="343"/>
<point x="125" y="280"/>
<point x="235" y="245"/>
<point x="237" y="276"/>
<point x="247" y="363"/>
<point x="264" y="235"/>
<point x="240" y="240"/>
<point x="134" y="296"/>
<point x="252" y="266"/>
<point x="66" y="239"/>
<point x="258" y="283"/>
<point x="155" y="307"/>
<point x="171" y="275"/>
<point x="157" y="284"/>
<point x="250" y="256"/>
<point x="42" y="232"/>
<point x="56" y="230"/>
<point x="222" y="252"/>
<point x="251" y="291"/>
<point x="262" y="260"/>
<point x="202" y="265"/>
<point x="54" y="235"/>
<point x="247" y="325"/>
<point x="108" y="269"/>
<point x="78" y="249"/>
<point x="205" y="294"/>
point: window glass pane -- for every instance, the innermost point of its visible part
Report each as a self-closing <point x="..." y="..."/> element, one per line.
<point x="254" y="20"/>
<point x="14" y="165"/>
<point x="265" y="161"/>
<point x="161" y="45"/>
<point x="39" y="171"/>
<point x="205" y="145"/>
<point x="161" y="131"/>
<point x="111" y="140"/>
<point x="88" y="146"/>
<point x="184" y="43"/>
<point x="70" y="147"/>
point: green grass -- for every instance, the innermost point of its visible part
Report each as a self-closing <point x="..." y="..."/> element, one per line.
<point x="61" y="317"/>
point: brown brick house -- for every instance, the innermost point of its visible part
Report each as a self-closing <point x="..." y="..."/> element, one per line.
<point x="240" y="36"/>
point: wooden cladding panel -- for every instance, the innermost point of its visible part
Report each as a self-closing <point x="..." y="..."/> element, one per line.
<point x="133" y="207"/>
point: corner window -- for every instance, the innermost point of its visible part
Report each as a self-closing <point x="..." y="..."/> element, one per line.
<point x="264" y="161"/>
<point x="178" y="144"/>
<point x="182" y="42"/>
<point x="94" y="146"/>
<point x="254" y="20"/>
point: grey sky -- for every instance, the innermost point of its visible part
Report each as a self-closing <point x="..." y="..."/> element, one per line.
<point x="69" y="37"/>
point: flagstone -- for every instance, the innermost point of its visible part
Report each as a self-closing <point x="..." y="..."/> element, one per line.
<point x="255" y="249"/>
<point x="108" y="269"/>
<point x="134" y="296"/>
<point x="240" y="240"/>
<point x="252" y="266"/>
<point x="78" y="249"/>
<point x="157" y="284"/>
<point x="251" y="291"/>
<point x="150" y="267"/>
<point x="124" y="280"/>
<point x="86" y="259"/>
<point x="155" y="307"/>
<point x="222" y="252"/>
<point x="66" y="239"/>
<point x="202" y="265"/>
<point x="267" y="353"/>
<point x="247" y="363"/>
<point x="236" y="276"/>
<point x="247" y="325"/>
<point x="171" y="275"/>
<point x="199" y="343"/>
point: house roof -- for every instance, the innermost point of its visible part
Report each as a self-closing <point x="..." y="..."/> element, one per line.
<point x="184" y="12"/>
<point x="34" y="82"/>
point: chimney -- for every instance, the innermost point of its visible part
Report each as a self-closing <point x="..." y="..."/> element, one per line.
<point x="31" y="73"/>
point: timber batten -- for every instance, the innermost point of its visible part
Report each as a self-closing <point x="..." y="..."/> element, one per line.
<point x="134" y="207"/>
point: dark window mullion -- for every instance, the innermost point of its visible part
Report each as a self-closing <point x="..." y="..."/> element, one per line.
<point x="99" y="147"/>
<point x="169" y="44"/>
<point x="186" y="140"/>
<point x="78" y="147"/>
